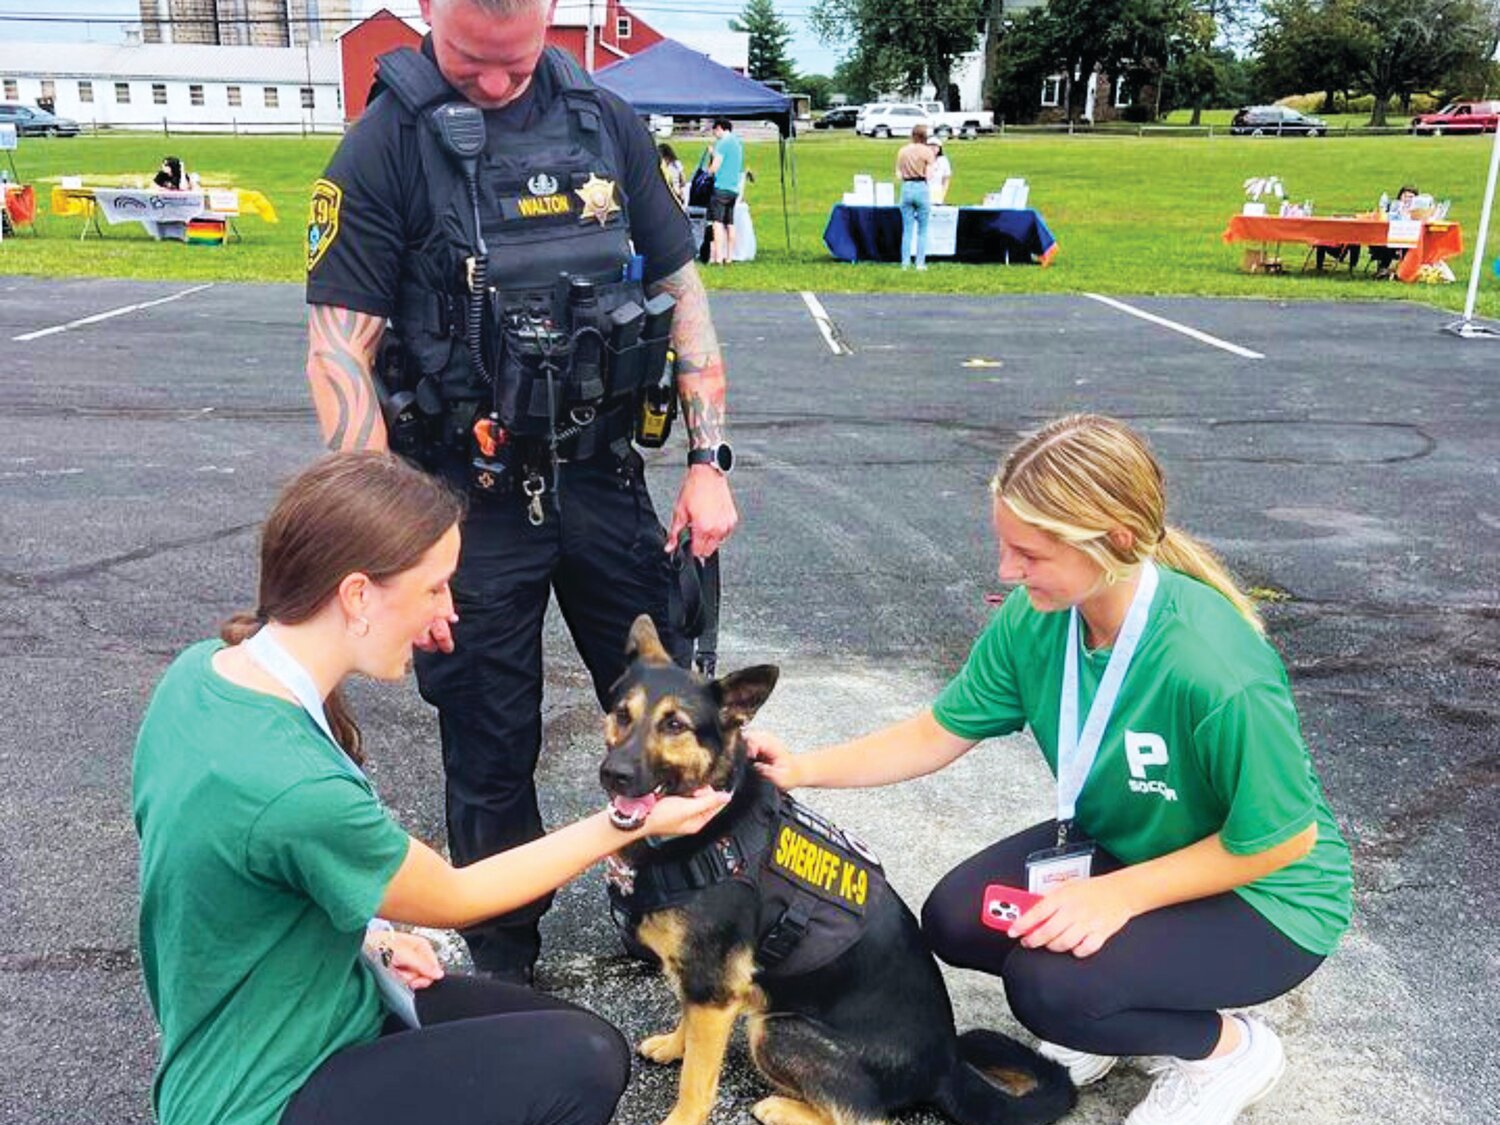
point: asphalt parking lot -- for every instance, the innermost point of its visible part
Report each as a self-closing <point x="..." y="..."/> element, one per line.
<point x="1344" y="458"/>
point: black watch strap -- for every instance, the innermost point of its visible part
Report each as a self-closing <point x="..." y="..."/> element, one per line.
<point x="720" y="456"/>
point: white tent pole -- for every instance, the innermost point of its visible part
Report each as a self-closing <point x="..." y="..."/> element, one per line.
<point x="1484" y="229"/>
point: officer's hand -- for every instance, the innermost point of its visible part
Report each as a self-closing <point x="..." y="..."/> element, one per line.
<point x="439" y="635"/>
<point x="1078" y="917"/>
<point x="704" y="505"/>
<point x="682" y="816"/>
<point x="773" y="761"/>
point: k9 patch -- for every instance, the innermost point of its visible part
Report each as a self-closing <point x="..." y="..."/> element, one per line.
<point x="322" y="220"/>
<point x="818" y="856"/>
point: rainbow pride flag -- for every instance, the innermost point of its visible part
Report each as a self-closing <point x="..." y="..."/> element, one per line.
<point x="205" y="232"/>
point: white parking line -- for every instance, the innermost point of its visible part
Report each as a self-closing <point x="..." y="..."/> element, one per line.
<point x="825" y="325"/>
<point x="1201" y="337"/>
<point x="97" y="317"/>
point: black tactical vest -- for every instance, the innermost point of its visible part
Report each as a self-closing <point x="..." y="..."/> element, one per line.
<point x="552" y="209"/>
<point x="816" y="884"/>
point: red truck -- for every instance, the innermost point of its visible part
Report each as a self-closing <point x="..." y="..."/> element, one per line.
<point x="1459" y="117"/>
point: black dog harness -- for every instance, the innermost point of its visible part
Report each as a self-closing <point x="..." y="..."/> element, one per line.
<point x="814" y="882"/>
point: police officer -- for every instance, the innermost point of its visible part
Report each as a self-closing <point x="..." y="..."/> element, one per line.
<point x="526" y="258"/>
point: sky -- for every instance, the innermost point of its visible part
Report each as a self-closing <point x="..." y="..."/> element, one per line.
<point x="667" y="16"/>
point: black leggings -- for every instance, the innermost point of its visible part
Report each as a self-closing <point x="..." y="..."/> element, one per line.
<point x="1153" y="989"/>
<point x="487" y="1054"/>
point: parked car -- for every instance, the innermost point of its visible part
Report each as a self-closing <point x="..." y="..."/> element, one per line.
<point x="1458" y="117"/>
<point x="958" y="123"/>
<point x="32" y="122"/>
<point x="1275" y="121"/>
<point x="843" y="117"/>
<point x="894" y="119"/>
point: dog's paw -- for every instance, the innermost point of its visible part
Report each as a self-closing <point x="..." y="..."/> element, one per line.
<point x="777" y="1110"/>
<point x="663" y="1048"/>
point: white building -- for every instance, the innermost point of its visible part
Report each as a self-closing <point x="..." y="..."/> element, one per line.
<point x="191" y="87"/>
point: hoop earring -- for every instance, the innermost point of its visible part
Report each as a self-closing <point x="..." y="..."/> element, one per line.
<point x="1111" y="577"/>
<point x="360" y="627"/>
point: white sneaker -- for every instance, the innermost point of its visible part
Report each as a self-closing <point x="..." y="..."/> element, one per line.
<point x="1084" y="1069"/>
<point x="1214" y="1091"/>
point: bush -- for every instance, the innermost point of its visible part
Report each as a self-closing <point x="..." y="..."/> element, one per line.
<point x="1136" y="113"/>
<point x="1364" y="103"/>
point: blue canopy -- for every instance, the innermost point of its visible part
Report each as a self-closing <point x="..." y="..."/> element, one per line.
<point x="671" y="79"/>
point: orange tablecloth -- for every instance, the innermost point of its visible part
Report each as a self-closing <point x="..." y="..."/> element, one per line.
<point x="1437" y="241"/>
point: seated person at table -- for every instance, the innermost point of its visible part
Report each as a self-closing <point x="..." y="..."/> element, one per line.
<point x="1388" y="257"/>
<point x="171" y="176"/>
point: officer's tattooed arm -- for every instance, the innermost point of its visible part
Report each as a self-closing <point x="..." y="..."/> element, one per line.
<point x="341" y="348"/>
<point x="700" y="367"/>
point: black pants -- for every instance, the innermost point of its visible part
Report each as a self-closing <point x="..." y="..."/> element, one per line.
<point x="600" y="549"/>
<point x="486" y="1054"/>
<point x="1153" y="989"/>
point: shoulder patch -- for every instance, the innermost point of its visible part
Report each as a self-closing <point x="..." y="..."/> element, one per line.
<point x="322" y="220"/>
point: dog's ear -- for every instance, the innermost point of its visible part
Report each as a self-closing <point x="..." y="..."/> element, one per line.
<point x="644" y="643"/>
<point x="741" y="693"/>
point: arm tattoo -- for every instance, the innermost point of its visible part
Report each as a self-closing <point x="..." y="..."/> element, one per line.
<point x="341" y="346"/>
<point x="701" y="384"/>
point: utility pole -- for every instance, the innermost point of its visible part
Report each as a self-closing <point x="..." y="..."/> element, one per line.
<point x="588" y="42"/>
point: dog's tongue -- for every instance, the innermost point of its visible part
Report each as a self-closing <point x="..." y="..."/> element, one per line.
<point x="632" y="810"/>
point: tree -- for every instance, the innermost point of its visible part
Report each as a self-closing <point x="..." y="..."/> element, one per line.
<point x="818" y="87"/>
<point x="901" y="42"/>
<point x="1386" y="48"/>
<point x="1136" y="39"/>
<point x="769" y="36"/>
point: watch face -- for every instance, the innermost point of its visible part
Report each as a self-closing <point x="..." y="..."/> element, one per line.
<point x="724" y="457"/>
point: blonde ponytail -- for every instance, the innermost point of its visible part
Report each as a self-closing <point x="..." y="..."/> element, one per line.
<point x="1084" y="476"/>
<point x="1183" y="553"/>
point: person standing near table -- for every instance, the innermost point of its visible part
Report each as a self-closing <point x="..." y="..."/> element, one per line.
<point x="913" y="162"/>
<point x="940" y="175"/>
<point x="1193" y="865"/>
<point x="567" y="182"/>
<point x="727" y="166"/>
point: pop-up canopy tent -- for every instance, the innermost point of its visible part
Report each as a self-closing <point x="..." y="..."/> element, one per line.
<point x="668" y="78"/>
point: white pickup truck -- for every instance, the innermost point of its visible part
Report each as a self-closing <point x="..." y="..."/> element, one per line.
<point x="957" y="123"/>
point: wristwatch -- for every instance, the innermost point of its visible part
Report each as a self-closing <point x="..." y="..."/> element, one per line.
<point x="720" y="456"/>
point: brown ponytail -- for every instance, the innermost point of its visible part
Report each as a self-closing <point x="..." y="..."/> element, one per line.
<point x="368" y="513"/>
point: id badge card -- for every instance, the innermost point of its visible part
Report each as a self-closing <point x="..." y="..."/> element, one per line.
<point x="1052" y="867"/>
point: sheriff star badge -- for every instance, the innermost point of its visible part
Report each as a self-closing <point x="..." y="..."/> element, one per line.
<point x="598" y="197"/>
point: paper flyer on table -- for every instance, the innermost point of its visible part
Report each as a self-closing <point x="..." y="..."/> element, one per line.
<point x="1403" y="232"/>
<point x="942" y="232"/>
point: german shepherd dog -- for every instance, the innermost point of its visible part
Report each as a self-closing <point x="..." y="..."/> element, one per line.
<point x="849" y="1042"/>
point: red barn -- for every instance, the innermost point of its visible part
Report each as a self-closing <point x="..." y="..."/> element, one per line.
<point x="358" y="49"/>
<point x="618" y="34"/>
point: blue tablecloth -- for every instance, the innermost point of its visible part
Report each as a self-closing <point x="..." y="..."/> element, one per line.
<point x="985" y="234"/>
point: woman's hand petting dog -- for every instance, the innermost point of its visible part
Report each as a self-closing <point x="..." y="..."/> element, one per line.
<point x="411" y="955"/>
<point x="682" y="816"/>
<point x="773" y="761"/>
<point x="1077" y="917"/>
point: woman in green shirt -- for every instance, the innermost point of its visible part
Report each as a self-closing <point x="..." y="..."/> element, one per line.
<point x="1194" y="865"/>
<point x="265" y="854"/>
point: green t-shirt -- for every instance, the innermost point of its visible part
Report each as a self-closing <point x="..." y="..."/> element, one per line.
<point x="262" y="858"/>
<point x="1203" y="739"/>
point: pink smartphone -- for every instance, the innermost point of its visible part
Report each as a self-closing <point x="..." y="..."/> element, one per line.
<point x="1003" y="905"/>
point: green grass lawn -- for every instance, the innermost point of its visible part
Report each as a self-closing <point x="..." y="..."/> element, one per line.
<point x="1132" y="216"/>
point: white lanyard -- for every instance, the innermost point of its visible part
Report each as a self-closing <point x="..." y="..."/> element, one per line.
<point x="284" y="668"/>
<point x="1076" y="750"/>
